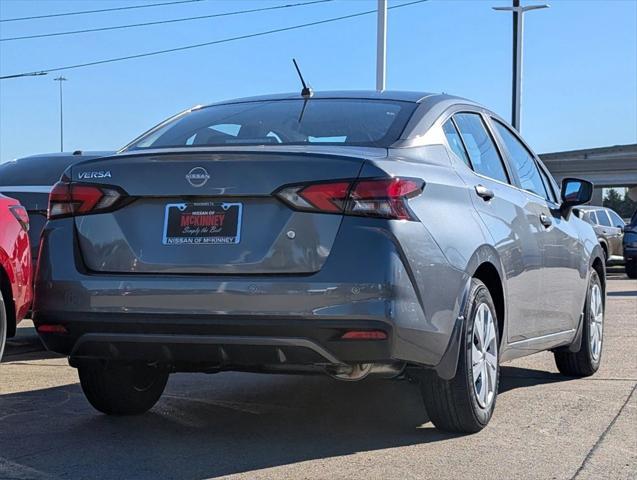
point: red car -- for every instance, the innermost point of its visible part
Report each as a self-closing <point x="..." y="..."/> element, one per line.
<point x="15" y="267"/>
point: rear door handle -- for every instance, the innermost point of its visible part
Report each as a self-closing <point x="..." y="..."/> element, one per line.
<point x="546" y="220"/>
<point x="484" y="192"/>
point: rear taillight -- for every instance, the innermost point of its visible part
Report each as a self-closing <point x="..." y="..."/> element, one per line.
<point x="21" y="215"/>
<point x="377" y="197"/>
<point x="72" y="199"/>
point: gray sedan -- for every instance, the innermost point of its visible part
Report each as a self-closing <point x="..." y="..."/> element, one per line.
<point x="347" y="233"/>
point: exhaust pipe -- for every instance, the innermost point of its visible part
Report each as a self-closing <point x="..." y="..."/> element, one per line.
<point x="358" y="371"/>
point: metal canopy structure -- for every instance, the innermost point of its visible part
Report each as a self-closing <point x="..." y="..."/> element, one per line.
<point x="606" y="166"/>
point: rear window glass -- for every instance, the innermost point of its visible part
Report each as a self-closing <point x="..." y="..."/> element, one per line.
<point x="616" y="219"/>
<point x="285" y="122"/>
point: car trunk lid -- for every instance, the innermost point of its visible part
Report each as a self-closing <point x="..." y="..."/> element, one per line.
<point x="209" y="213"/>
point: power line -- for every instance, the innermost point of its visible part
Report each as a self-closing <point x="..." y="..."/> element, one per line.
<point x="160" y="22"/>
<point x="32" y="74"/>
<point x="85" y="12"/>
<point x="214" y="42"/>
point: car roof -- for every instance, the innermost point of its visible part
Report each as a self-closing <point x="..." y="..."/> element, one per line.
<point x="395" y="95"/>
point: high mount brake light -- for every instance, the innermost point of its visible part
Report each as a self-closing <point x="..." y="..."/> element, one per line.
<point x="375" y="197"/>
<point x="73" y="199"/>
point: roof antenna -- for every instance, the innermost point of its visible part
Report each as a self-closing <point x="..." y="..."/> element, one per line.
<point x="307" y="92"/>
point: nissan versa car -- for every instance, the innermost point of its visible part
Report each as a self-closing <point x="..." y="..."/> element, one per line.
<point x="350" y="233"/>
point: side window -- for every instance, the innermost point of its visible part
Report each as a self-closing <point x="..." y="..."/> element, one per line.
<point x="522" y="162"/>
<point x="593" y="216"/>
<point x="616" y="219"/>
<point x="552" y="196"/>
<point x="484" y="157"/>
<point x="603" y="219"/>
<point x="453" y="138"/>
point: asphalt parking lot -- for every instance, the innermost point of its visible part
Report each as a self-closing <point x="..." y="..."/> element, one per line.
<point x="295" y="427"/>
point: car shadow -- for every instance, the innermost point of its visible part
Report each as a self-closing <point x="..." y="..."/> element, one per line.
<point x="517" y="377"/>
<point x="208" y="426"/>
<point x="24" y="348"/>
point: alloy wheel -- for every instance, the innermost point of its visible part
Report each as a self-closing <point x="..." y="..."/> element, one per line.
<point x="484" y="355"/>
<point x="596" y="322"/>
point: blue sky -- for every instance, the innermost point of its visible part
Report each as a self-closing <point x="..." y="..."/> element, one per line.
<point x="580" y="81"/>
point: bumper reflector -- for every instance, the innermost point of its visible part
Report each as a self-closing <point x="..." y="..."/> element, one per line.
<point x="46" y="328"/>
<point x="364" y="335"/>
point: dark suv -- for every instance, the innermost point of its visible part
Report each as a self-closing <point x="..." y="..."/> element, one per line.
<point x="630" y="247"/>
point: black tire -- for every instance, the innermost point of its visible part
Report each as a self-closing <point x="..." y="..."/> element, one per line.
<point x="631" y="268"/>
<point x="582" y="363"/>
<point x="3" y="326"/>
<point x="605" y="252"/>
<point x="117" y="389"/>
<point x="452" y="405"/>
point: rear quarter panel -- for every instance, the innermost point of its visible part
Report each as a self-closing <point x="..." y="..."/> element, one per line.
<point x="438" y="251"/>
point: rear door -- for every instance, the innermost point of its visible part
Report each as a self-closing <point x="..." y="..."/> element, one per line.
<point x="505" y="211"/>
<point x="209" y="213"/>
<point x="562" y="252"/>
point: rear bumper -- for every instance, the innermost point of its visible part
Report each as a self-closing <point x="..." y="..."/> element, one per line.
<point x="212" y="342"/>
<point x="366" y="283"/>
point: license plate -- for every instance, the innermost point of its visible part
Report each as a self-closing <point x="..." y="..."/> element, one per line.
<point x="206" y="223"/>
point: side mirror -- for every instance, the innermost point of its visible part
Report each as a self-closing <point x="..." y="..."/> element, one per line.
<point x="575" y="192"/>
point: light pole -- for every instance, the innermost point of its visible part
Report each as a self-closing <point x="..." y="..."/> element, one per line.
<point x="61" y="79"/>
<point x="381" y="45"/>
<point x="518" y="37"/>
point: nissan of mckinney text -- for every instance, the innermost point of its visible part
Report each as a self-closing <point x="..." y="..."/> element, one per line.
<point x="348" y="233"/>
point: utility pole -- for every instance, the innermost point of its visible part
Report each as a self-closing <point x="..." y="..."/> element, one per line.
<point x="518" y="37"/>
<point x="381" y="45"/>
<point x="61" y="79"/>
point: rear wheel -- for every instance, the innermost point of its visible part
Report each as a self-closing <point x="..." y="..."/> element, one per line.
<point x="3" y="325"/>
<point x="466" y="402"/>
<point x="631" y="268"/>
<point x="117" y="389"/>
<point x="586" y="360"/>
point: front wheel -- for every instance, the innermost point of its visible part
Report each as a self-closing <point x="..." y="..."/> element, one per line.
<point x="465" y="403"/>
<point x="117" y="389"/>
<point x="586" y="360"/>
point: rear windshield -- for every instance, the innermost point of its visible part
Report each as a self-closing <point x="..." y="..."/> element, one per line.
<point x="284" y="122"/>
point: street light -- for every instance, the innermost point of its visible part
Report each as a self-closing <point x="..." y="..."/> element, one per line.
<point x="518" y="27"/>
<point x="61" y="79"/>
<point x="381" y="46"/>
